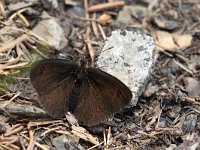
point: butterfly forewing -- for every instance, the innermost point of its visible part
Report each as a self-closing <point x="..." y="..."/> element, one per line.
<point x="56" y="102"/>
<point x="53" y="81"/>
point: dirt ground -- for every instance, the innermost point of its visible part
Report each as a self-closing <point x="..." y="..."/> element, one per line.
<point x="167" y="113"/>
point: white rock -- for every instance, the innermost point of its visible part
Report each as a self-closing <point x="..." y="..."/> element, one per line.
<point x="51" y="32"/>
<point x="54" y="3"/>
<point x="128" y="11"/>
<point x="129" y="57"/>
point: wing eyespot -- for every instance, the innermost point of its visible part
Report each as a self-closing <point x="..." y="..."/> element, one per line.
<point x="41" y="71"/>
<point x="119" y="93"/>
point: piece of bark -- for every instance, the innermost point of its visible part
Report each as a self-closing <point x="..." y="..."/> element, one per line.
<point x="22" y="110"/>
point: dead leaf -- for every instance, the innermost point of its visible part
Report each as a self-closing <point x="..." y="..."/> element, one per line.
<point x="190" y="123"/>
<point x="192" y="86"/>
<point x="65" y="142"/>
<point x="165" y="41"/>
<point x="129" y="12"/>
<point x="103" y="19"/>
<point x="194" y="63"/>
<point x="164" y="23"/>
<point x="150" y="90"/>
<point x="171" y="41"/>
<point x="183" y="41"/>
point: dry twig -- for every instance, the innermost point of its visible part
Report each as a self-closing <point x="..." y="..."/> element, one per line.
<point x="106" y="6"/>
<point x="89" y="45"/>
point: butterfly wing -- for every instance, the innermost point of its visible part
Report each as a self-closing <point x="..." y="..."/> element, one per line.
<point x="101" y="96"/>
<point x="53" y="81"/>
<point x="88" y="111"/>
<point x="113" y="95"/>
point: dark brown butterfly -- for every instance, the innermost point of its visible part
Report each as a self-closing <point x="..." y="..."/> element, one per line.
<point x="91" y="94"/>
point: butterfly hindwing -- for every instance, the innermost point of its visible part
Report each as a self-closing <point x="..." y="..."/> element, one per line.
<point x="101" y="96"/>
<point x="112" y="94"/>
<point x="88" y="111"/>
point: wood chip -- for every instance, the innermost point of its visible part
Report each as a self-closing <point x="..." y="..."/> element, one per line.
<point x="104" y="19"/>
<point x="82" y="133"/>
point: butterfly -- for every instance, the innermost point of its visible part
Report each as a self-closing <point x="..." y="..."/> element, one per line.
<point x="89" y="93"/>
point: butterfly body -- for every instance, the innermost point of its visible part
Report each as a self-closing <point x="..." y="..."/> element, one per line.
<point x="91" y="94"/>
